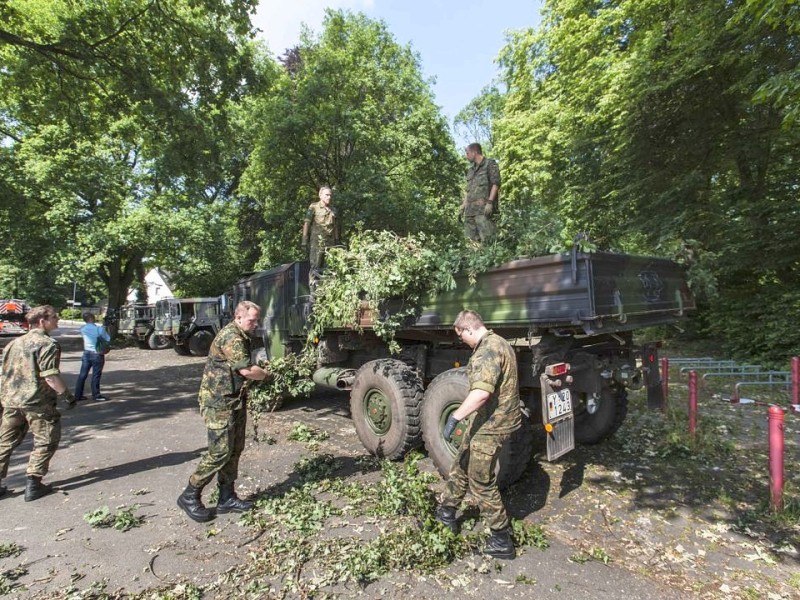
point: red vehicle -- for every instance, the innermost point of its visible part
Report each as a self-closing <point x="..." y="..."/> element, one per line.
<point x="12" y="317"/>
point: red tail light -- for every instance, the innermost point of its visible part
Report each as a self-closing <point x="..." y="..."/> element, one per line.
<point x="556" y="370"/>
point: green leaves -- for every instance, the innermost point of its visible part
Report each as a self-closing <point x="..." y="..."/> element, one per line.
<point x="380" y="274"/>
<point x="123" y="520"/>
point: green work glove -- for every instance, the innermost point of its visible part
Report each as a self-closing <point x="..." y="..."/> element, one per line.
<point x="304" y="246"/>
<point x="488" y="208"/>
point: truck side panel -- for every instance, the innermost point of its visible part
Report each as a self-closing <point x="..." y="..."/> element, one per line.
<point x="597" y="292"/>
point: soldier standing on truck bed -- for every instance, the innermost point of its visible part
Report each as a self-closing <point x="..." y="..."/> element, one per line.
<point x="481" y="196"/>
<point x="222" y="405"/>
<point x="494" y="405"/>
<point x="320" y="232"/>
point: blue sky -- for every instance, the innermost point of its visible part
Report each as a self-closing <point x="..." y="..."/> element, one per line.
<point x="457" y="41"/>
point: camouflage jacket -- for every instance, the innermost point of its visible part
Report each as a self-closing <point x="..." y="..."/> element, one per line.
<point x="26" y="362"/>
<point x="222" y="384"/>
<point x="323" y="223"/>
<point x="493" y="368"/>
<point x="480" y="179"/>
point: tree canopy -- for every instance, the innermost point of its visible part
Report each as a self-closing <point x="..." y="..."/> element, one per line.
<point x="351" y="110"/>
<point x="143" y="132"/>
<point x="665" y="126"/>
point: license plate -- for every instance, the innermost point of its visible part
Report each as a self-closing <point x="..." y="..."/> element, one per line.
<point x="559" y="404"/>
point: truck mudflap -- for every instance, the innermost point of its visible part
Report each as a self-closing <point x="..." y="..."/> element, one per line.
<point x="558" y="416"/>
<point x="652" y="376"/>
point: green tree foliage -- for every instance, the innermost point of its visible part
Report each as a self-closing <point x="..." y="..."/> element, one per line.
<point x="351" y="110"/>
<point x="474" y="121"/>
<point x="117" y="135"/>
<point x="648" y="124"/>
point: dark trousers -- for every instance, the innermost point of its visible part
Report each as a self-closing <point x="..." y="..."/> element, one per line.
<point x="95" y="362"/>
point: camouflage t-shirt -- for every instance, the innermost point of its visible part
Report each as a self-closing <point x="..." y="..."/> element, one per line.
<point x="323" y="222"/>
<point x="222" y="383"/>
<point x="493" y="368"/>
<point x="26" y="362"/>
<point x="480" y="179"/>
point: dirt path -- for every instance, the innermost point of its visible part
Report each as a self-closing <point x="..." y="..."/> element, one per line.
<point x="614" y="528"/>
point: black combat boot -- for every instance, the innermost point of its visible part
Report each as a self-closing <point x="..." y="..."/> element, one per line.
<point x="500" y="544"/>
<point x="192" y="505"/>
<point x="35" y="489"/>
<point x="446" y="515"/>
<point x="3" y="489"/>
<point x="229" y="501"/>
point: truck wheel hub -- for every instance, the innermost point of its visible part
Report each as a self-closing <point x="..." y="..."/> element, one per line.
<point x="378" y="412"/>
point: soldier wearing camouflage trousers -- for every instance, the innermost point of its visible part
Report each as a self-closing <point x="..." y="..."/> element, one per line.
<point x="320" y="232"/>
<point x="494" y="407"/>
<point x="31" y="386"/>
<point x="481" y="197"/>
<point x="224" y="410"/>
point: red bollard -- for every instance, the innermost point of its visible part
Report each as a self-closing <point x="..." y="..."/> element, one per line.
<point x="692" y="402"/>
<point x="776" y="458"/>
<point x="665" y="380"/>
<point x="795" y="380"/>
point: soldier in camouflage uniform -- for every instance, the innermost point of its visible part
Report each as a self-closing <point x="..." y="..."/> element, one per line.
<point x="480" y="199"/>
<point x="30" y="387"/>
<point x="223" y="407"/>
<point x="493" y="405"/>
<point x="321" y="229"/>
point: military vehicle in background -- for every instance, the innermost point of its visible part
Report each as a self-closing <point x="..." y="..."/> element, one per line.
<point x="137" y="323"/>
<point x="12" y="317"/>
<point x="570" y="318"/>
<point x="190" y="323"/>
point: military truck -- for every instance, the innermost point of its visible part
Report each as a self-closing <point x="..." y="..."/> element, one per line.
<point x="570" y="318"/>
<point x="12" y="317"/>
<point x="137" y="323"/>
<point x="190" y="323"/>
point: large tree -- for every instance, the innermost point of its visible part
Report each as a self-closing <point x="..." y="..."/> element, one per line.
<point x="351" y="110"/>
<point x="652" y="126"/>
<point x="115" y="124"/>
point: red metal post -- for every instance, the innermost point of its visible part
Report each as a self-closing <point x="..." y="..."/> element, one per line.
<point x="665" y="380"/>
<point x="776" y="458"/>
<point x="795" y="380"/>
<point x="692" y="402"/>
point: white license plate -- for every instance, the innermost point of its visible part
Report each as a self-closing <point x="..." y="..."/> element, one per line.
<point x="559" y="404"/>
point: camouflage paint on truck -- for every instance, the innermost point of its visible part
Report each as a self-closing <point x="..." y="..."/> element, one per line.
<point x="586" y="293"/>
<point x="285" y="301"/>
<point x="136" y="321"/>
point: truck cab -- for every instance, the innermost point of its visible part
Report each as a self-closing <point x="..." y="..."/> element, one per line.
<point x="191" y="323"/>
<point x="137" y="323"/>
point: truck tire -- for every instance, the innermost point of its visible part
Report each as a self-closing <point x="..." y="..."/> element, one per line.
<point x="609" y="416"/>
<point x="444" y="395"/>
<point x="158" y="342"/>
<point x="385" y="404"/>
<point x="200" y="342"/>
<point x="182" y="349"/>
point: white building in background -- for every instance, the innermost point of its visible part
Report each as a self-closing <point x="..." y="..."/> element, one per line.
<point x="157" y="287"/>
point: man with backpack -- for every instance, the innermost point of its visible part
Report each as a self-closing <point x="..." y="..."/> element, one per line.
<point x="95" y="347"/>
<point x="480" y="200"/>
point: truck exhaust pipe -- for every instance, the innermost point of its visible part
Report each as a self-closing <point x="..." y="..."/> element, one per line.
<point x="334" y="377"/>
